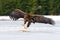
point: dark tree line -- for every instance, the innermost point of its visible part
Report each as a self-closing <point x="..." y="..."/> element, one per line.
<point x="41" y="7"/>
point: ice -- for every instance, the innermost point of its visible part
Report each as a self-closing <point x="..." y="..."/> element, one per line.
<point x="9" y="30"/>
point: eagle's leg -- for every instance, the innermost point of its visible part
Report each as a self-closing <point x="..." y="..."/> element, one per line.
<point x="26" y="26"/>
<point x="24" y="23"/>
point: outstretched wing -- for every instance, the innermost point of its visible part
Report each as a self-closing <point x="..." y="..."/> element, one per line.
<point x="16" y="14"/>
<point x="42" y="19"/>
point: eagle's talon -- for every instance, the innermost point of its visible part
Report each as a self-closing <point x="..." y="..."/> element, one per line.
<point x="25" y="27"/>
<point x="22" y="30"/>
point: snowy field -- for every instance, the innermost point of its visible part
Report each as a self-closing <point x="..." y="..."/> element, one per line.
<point x="9" y="30"/>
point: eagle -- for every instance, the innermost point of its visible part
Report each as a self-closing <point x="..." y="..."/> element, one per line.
<point x="17" y="13"/>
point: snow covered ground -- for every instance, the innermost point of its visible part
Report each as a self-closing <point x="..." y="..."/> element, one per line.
<point x="9" y="30"/>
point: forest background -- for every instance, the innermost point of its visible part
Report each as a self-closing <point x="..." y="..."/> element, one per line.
<point x="40" y="7"/>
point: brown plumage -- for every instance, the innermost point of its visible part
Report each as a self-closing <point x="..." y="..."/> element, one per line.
<point x="37" y="19"/>
<point x="16" y="14"/>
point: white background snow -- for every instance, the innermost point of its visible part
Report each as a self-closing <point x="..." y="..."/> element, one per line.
<point x="9" y="30"/>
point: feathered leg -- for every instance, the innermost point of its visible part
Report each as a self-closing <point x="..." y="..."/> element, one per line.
<point x="25" y="29"/>
<point x="26" y="26"/>
<point x="27" y="18"/>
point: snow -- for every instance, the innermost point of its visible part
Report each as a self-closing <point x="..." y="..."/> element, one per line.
<point x="9" y="30"/>
<point x="52" y="17"/>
